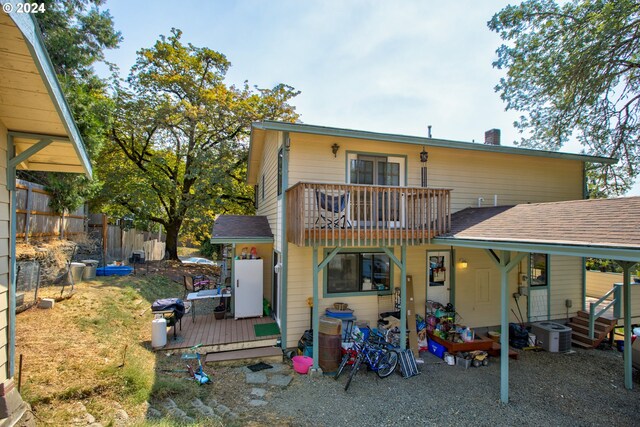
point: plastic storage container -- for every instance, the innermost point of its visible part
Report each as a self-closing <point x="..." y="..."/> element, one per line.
<point x="77" y="270"/>
<point x="90" y="266"/>
<point x="158" y="332"/>
<point x="329" y="352"/>
<point x="330" y="326"/>
<point x="436" y="349"/>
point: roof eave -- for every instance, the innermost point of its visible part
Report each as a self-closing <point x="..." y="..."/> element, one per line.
<point x="28" y="27"/>
<point x="618" y="253"/>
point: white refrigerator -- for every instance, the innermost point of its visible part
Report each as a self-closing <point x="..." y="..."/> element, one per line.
<point x="247" y="289"/>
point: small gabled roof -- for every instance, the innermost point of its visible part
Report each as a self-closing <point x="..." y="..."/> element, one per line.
<point x="601" y="226"/>
<point x="241" y="228"/>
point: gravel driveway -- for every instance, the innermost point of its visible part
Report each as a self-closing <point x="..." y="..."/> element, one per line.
<point x="582" y="388"/>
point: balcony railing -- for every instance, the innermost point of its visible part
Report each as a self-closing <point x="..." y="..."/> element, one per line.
<point x="365" y="215"/>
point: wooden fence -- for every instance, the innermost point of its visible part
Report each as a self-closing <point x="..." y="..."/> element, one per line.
<point x="119" y="244"/>
<point x="34" y="217"/>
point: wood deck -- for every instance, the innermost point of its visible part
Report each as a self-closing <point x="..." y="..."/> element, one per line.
<point x="218" y="335"/>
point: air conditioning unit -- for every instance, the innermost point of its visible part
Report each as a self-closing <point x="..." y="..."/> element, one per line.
<point x="553" y="337"/>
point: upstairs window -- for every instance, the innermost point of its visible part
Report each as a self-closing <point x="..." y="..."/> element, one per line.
<point x="280" y="156"/>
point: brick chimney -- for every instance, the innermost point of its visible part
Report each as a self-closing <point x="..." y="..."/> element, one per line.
<point x="492" y="137"/>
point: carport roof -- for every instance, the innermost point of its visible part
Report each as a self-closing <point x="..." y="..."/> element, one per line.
<point x="42" y="132"/>
<point x="607" y="228"/>
<point x="241" y="229"/>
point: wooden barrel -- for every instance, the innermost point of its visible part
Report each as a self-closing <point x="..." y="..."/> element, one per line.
<point x="329" y="351"/>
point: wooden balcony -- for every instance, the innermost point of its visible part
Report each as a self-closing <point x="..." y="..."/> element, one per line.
<point x="365" y="215"/>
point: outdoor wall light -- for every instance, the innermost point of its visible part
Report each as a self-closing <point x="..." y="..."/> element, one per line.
<point x="424" y="156"/>
<point x="463" y="263"/>
<point x="334" y="149"/>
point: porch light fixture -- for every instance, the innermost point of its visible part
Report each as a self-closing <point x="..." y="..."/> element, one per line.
<point x="424" y="156"/>
<point x="334" y="149"/>
<point x="463" y="263"/>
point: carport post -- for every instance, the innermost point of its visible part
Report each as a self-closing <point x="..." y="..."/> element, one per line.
<point x="504" y="328"/>
<point x="402" y="264"/>
<point x="316" y="302"/>
<point x="626" y="290"/>
<point x="505" y="264"/>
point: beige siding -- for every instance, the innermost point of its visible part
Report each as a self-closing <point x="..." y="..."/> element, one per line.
<point x="565" y="283"/>
<point x="470" y="174"/>
<point x="4" y="254"/>
<point x="477" y="299"/>
<point x="269" y="169"/>
<point x="599" y="284"/>
<point x="300" y="288"/>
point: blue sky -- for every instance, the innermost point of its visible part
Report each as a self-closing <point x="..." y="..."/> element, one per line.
<point x="384" y="66"/>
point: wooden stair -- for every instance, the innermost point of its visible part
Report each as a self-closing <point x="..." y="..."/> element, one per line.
<point x="580" y="330"/>
<point x="248" y="355"/>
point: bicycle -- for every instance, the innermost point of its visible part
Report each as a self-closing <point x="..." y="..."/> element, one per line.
<point x="379" y="359"/>
<point x="197" y="373"/>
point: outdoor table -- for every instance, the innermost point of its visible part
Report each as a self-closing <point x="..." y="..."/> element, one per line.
<point x="207" y="294"/>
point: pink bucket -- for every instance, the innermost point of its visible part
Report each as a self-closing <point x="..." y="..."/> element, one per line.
<point x="301" y="364"/>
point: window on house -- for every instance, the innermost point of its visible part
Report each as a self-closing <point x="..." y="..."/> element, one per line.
<point x="280" y="155"/>
<point x="539" y="269"/>
<point x="256" y="191"/>
<point x="358" y="272"/>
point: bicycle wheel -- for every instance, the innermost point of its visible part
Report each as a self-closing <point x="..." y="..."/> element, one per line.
<point x="387" y="364"/>
<point x="345" y="360"/>
<point x="354" y="371"/>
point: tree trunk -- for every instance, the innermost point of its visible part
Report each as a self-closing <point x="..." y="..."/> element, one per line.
<point x="172" y="231"/>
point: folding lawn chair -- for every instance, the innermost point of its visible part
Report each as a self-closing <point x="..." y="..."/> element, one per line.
<point x="333" y="210"/>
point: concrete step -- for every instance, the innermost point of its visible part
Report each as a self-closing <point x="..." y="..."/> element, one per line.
<point x="245" y="355"/>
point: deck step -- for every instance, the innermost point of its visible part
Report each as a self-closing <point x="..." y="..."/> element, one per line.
<point x="245" y="354"/>
<point x="597" y="325"/>
<point x="580" y="344"/>
<point x="583" y="329"/>
<point x="605" y="319"/>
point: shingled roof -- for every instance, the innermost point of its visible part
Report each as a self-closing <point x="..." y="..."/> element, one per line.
<point x="241" y="227"/>
<point x="595" y="222"/>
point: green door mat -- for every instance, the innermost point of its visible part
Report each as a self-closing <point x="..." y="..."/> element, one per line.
<point x="265" y="329"/>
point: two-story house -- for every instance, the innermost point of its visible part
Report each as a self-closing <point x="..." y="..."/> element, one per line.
<point x="350" y="214"/>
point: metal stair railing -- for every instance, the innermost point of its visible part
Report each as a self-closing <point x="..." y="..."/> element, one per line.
<point x="615" y="303"/>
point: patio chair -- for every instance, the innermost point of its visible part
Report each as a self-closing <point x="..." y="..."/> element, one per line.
<point x="333" y="210"/>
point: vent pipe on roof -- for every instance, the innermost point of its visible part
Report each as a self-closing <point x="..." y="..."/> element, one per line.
<point x="429" y="131"/>
<point x="492" y="137"/>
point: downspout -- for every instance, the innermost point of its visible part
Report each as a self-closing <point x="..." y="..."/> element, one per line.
<point x="585" y="195"/>
<point x="284" y="246"/>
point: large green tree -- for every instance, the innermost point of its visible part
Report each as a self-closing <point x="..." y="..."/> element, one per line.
<point x="178" y="145"/>
<point x="573" y="70"/>
<point x="76" y="34"/>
